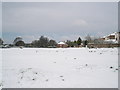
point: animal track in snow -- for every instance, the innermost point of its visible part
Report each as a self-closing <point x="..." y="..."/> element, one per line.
<point x="30" y="75"/>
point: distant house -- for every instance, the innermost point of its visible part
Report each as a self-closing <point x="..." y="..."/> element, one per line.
<point x="118" y="37"/>
<point x="103" y="38"/>
<point x="62" y="45"/>
<point x="114" y="37"/>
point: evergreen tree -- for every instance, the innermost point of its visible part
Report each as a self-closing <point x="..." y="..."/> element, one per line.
<point x="75" y="41"/>
<point x="1" y="41"/>
<point x="43" y="42"/>
<point x="18" y="41"/>
<point x="70" y="43"/>
<point x="35" y="43"/>
<point x="79" y="41"/>
<point x="52" y="43"/>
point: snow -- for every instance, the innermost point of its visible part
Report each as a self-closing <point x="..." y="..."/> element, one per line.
<point x="113" y="33"/>
<point x="59" y="68"/>
<point x="111" y="40"/>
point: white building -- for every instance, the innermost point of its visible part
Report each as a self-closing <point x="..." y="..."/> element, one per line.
<point x="114" y="37"/>
<point x="62" y="45"/>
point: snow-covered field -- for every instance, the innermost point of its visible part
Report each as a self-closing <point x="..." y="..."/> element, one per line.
<point x="59" y="68"/>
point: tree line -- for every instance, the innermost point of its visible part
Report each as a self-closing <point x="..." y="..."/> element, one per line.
<point x="45" y="42"/>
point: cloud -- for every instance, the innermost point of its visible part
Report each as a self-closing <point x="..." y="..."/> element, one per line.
<point x="79" y="22"/>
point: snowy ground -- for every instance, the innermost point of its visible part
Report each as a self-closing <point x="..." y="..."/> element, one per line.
<point x="59" y="68"/>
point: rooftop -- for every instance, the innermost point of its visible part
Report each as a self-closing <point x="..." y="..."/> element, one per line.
<point x="61" y="43"/>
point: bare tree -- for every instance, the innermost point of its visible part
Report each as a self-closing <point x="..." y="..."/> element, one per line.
<point x="88" y="38"/>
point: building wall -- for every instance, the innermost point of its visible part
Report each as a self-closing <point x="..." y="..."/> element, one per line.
<point x="62" y="45"/>
<point x="114" y="37"/>
<point x="117" y="37"/>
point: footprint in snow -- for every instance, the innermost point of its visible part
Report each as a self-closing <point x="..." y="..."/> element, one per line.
<point x="18" y="82"/>
<point x="36" y="51"/>
<point x="36" y="73"/>
<point x="21" y="77"/>
<point x="33" y="79"/>
<point x="111" y="67"/>
<point x="62" y="78"/>
<point x="86" y="64"/>
<point x="46" y="80"/>
<point x="22" y="71"/>
<point x="74" y="58"/>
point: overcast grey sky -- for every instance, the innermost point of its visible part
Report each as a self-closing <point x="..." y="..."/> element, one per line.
<point x="0" y="19"/>
<point x="59" y="21"/>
